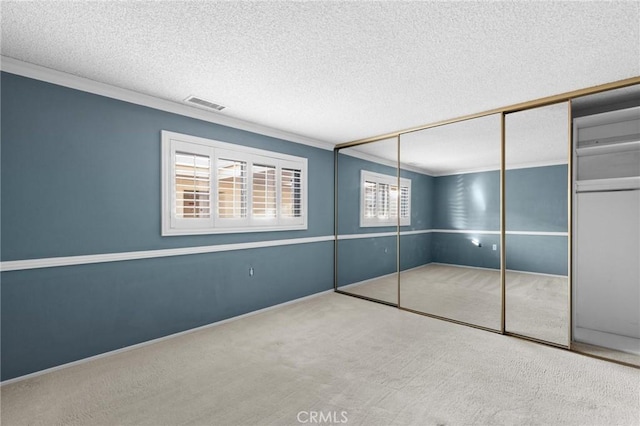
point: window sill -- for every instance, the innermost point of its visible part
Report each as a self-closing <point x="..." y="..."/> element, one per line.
<point x="243" y="230"/>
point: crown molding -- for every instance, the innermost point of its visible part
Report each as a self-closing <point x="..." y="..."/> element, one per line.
<point x="37" y="72"/>
<point x="529" y="165"/>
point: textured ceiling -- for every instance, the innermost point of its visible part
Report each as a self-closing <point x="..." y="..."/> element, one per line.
<point x="333" y="71"/>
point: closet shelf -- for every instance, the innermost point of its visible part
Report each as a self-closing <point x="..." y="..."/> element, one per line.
<point x="610" y="184"/>
<point x="608" y="148"/>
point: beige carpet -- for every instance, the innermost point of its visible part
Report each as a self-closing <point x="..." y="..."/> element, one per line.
<point x="380" y="365"/>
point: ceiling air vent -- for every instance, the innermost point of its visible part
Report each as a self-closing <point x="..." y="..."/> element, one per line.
<point x="204" y="103"/>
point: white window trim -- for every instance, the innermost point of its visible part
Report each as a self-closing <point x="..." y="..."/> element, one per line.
<point x="214" y="225"/>
<point x="365" y="222"/>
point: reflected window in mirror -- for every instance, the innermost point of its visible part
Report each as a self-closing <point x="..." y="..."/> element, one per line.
<point x="379" y="198"/>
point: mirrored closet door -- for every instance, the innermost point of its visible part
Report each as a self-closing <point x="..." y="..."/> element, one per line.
<point x="537" y="226"/>
<point x="606" y="266"/>
<point x="369" y="200"/>
<point x="450" y="232"/>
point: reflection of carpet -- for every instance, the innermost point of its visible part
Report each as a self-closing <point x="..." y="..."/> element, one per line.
<point x="536" y="305"/>
<point x="332" y="353"/>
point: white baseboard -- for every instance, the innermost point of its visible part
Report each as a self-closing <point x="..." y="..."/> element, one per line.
<point x="365" y="281"/>
<point x="445" y="264"/>
<point x="607" y="340"/>
<point x="497" y="270"/>
<point x="455" y="265"/>
<point x="159" y="339"/>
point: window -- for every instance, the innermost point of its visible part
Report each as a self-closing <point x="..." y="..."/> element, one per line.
<point x="381" y="202"/>
<point x="214" y="187"/>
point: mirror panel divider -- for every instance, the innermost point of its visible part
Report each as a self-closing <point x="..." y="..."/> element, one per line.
<point x="335" y="220"/>
<point x="398" y="265"/>
<point x="503" y="252"/>
<point x="570" y="221"/>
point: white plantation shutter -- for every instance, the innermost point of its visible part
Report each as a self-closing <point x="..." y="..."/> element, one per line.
<point x="192" y="180"/>
<point x="215" y="187"/>
<point x="405" y="202"/>
<point x="370" y="197"/>
<point x="393" y="201"/>
<point x="264" y="191"/>
<point x="381" y="202"/>
<point x="232" y="189"/>
<point x="291" y="193"/>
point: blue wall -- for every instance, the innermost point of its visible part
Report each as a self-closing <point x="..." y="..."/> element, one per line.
<point x="57" y="315"/>
<point x="76" y="165"/>
<point x="81" y="175"/>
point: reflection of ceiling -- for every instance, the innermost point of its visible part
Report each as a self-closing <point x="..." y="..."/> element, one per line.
<point x="463" y="146"/>
<point x="534" y="137"/>
<point x="332" y="70"/>
<point x="537" y="136"/>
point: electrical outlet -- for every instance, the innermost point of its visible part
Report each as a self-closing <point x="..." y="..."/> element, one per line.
<point x="251" y="271"/>
<point x="495" y="247"/>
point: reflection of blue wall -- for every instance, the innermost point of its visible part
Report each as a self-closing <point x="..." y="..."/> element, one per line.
<point x="530" y="253"/>
<point x="536" y="200"/>
<point x="415" y="250"/>
<point x="538" y="253"/>
<point x="457" y="249"/>
<point x="365" y="258"/>
<point x="467" y="201"/>
<point x="81" y="175"/>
